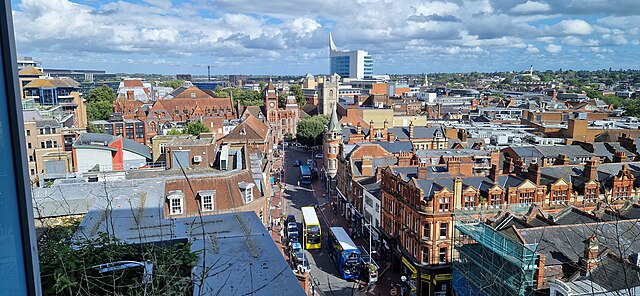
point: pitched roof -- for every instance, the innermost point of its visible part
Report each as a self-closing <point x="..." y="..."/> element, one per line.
<point x="103" y="140"/>
<point x="133" y="83"/>
<point x="334" y="123"/>
<point x="249" y="129"/>
<point x="227" y="188"/>
<point x="30" y="70"/>
<point x="52" y="82"/>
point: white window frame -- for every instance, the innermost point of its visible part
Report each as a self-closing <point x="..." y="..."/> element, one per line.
<point x="207" y="200"/>
<point x="248" y="194"/>
<point x="172" y="206"/>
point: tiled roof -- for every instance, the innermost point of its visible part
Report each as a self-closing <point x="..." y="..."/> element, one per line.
<point x="52" y="82"/>
<point x="133" y="83"/>
<point x="227" y="188"/>
<point x="249" y="129"/>
<point x="30" y="70"/>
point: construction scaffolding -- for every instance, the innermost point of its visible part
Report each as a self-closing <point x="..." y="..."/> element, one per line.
<point x="490" y="263"/>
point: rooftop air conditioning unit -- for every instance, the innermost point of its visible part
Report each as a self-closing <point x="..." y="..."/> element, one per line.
<point x="197" y="158"/>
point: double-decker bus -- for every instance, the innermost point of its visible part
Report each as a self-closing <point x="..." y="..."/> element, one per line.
<point x="305" y="174"/>
<point x="344" y="253"/>
<point x="310" y="228"/>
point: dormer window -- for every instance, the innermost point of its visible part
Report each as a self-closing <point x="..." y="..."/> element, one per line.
<point x="243" y="132"/>
<point x="193" y="95"/>
<point x="246" y="189"/>
<point x="206" y="199"/>
<point x="176" y="202"/>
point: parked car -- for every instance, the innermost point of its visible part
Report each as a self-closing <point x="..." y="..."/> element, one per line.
<point x="296" y="163"/>
<point x="295" y="248"/>
<point x="310" y="162"/>
<point x="292" y="229"/>
<point x="319" y="156"/>
<point x="291" y="218"/>
<point x="301" y="262"/>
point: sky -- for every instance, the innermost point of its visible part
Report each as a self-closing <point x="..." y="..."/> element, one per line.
<point x="285" y="37"/>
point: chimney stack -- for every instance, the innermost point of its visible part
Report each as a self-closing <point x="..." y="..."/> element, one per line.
<point x="590" y="255"/>
<point x="367" y="166"/>
<point x="453" y="166"/>
<point x="358" y="129"/>
<point x="411" y="130"/>
<point x="493" y="173"/>
<point x="507" y="165"/>
<point x="591" y="169"/>
<point x="385" y="125"/>
<point x="534" y="173"/>
<point x="378" y="174"/>
<point x="457" y="193"/>
<point x="619" y="157"/>
<point x="372" y="132"/>
<point x="422" y="170"/>
<point x="517" y="167"/>
<point x="562" y="159"/>
<point x="391" y="137"/>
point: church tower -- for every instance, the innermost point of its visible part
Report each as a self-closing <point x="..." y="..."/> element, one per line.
<point x="331" y="148"/>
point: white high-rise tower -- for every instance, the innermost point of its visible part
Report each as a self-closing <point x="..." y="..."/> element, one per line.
<point x="353" y="63"/>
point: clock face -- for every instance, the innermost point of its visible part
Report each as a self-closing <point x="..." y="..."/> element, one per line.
<point x="272" y="104"/>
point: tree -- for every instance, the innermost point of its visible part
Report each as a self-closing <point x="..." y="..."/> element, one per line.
<point x="102" y="93"/>
<point x="195" y="128"/>
<point x="94" y="129"/>
<point x="100" y="103"/>
<point x="99" y="110"/>
<point x="174" y="132"/>
<point x="310" y="130"/>
<point x="172" y="83"/>
<point x="296" y="90"/>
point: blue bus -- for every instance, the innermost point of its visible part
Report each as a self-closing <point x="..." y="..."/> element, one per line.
<point x="344" y="253"/>
<point x="305" y="174"/>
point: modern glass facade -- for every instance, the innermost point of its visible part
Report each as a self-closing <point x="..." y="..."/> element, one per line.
<point x="340" y="65"/>
<point x="368" y="66"/>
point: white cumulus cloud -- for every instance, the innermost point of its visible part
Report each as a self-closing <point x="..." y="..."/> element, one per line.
<point x="531" y="7"/>
<point x="552" y="48"/>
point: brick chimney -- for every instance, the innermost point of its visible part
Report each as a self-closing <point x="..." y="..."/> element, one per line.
<point x="367" y="166"/>
<point x="358" y="129"/>
<point x="422" y="170"/>
<point x="518" y="166"/>
<point x="453" y="166"/>
<point x="591" y="169"/>
<point x="562" y="159"/>
<point x="493" y="173"/>
<point x="130" y="95"/>
<point x="385" y="126"/>
<point x="378" y="174"/>
<point x="372" y="132"/>
<point x="619" y="156"/>
<point x="534" y="173"/>
<point x="507" y="165"/>
<point x="411" y="130"/>
<point x="391" y="137"/>
<point x="589" y="257"/>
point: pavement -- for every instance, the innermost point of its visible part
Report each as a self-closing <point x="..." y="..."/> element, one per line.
<point x="323" y="269"/>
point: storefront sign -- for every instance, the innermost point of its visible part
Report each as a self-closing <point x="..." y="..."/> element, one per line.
<point x="444" y="277"/>
<point x="410" y="266"/>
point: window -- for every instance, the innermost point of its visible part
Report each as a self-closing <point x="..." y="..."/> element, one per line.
<point x="469" y="201"/>
<point x="55" y="144"/>
<point x="29" y="145"/>
<point x="443" y="255"/>
<point x="163" y="148"/>
<point x="176" y="206"/>
<point x="526" y="197"/>
<point x="425" y="255"/>
<point x="443" y="204"/>
<point x="247" y="193"/>
<point x="28" y="132"/>
<point x="559" y="196"/>
<point x="207" y="202"/>
<point x="32" y="171"/>
<point x="377" y="208"/>
<point x="426" y="231"/>
<point x="444" y="230"/>
<point x="30" y="157"/>
<point x="495" y="199"/>
<point x="590" y="195"/>
<point x="42" y="145"/>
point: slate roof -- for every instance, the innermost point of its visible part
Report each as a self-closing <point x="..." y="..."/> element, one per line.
<point x="419" y="132"/>
<point x="396" y="147"/>
<point x="372" y="185"/>
<point x="571" y="215"/>
<point x="563" y="244"/>
<point x="614" y="274"/>
<point x="253" y="128"/>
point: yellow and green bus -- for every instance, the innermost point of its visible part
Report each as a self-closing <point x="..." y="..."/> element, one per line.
<point x="311" y="228"/>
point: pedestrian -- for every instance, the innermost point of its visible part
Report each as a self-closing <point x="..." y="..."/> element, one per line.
<point x="282" y="236"/>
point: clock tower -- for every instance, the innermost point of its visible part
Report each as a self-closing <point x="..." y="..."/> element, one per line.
<point x="271" y="102"/>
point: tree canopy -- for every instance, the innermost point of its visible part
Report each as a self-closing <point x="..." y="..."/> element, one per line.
<point x="195" y="128"/>
<point x="100" y="103"/>
<point x="310" y="130"/>
<point x="172" y="83"/>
